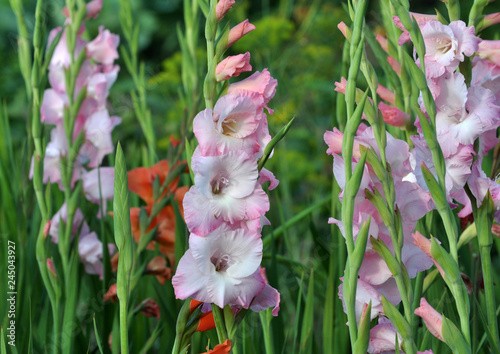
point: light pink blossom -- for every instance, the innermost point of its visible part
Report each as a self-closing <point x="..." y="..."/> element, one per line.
<point x="79" y="224"/>
<point x="90" y="251"/>
<point x="239" y="31"/>
<point x="421" y="20"/>
<point x="268" y="297"/>
<point x="231" y="126"/>
<point x="103" y="49"/>
<point x="446" y="46"/>
<point x="386" y="94"/>
<point x="433" y="320"/>
<point x="393" y="115"/>
<point x="383" y="337"/>
<point x="223" y="6"/>
<point x="221" y="268"/>
<point x="95" y="189"/>
<point x="233" y="66"/>
<point x="261" y="82"/>
<point x="225" y="190"/>
<point x="464" y="114"/>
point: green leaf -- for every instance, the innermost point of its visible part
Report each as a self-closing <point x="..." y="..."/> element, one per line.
<point x="96" y="332"/>
<point x="306" y="336"/>
<point x="269" y="147"/>
<point x="298" y="310"/>
<point x="454" y="338"/>
<point x="396" y="318"/>
<point x="124" y="242"/>
<point x="361" y="344"/>
<point x="381" y="248"/>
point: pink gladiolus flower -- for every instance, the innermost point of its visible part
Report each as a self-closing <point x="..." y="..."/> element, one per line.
<point x="393" y="115"/>
<point x="343" y="28"/>
<point x="479" y="185"/>
<point x="221" y="268"/>
<point x="383" y="337"/>
<point x="489" y="50"/>
<point x="103" y="49"/>
<point x="424" y="244"/>
<point x="433" y="320"/>
<point x="383" y="42"/>
<point x="463" y="114"/>
<point x="421" y="20"/>
<point x="94" y="189"/>
<point x="239" y="31"/>
<point x="446" y="46"/>
<point x="223" y="6"/>
<point x="231" y="126"/>
<point x="93" y="8"/>
<point x="341" y="86"/>
<point x="225" y="190"/>
<point x="386" y="94"/>
<point x="268" y="176"/>
<point x="364" y="294"/>
<point x="233" y="66"/>
<point x="395" y="65"/>
<point x="61" y="57"/>
<point x="260" y="82"/>
<point x="78" y="223"/>
<point x="50" y="266"/>
<point x="98" y="143"/>
<point x="90" y="251"/>
<point x="268" y="297"/>
<point x="491" y="19"/>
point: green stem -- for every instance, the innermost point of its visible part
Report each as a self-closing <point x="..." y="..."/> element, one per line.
<point x="489" y="293"/>
<point x="219" y="323"/>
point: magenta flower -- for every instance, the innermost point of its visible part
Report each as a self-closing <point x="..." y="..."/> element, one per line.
<point x="221" y="268"/>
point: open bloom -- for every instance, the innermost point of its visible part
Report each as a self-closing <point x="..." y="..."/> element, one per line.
<point x="221" y="268"/>
<point x="226" y="190"/>
<point x="261" y="82"/>
<point x="445" y="46"/>
<point x="231" y="126"/>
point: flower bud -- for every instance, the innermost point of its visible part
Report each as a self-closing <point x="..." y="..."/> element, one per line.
<point x="433" y="320"/>
<point x="223" y="6"/>
<point x="233" y="66"/>
<point x="239" y="31"/>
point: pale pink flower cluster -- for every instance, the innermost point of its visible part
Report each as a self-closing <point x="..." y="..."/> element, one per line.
<point x="466" y="114"/>
<point x="412" y="203"/>
<point x="224" y="210"/>
<point x="97" y="74"/>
